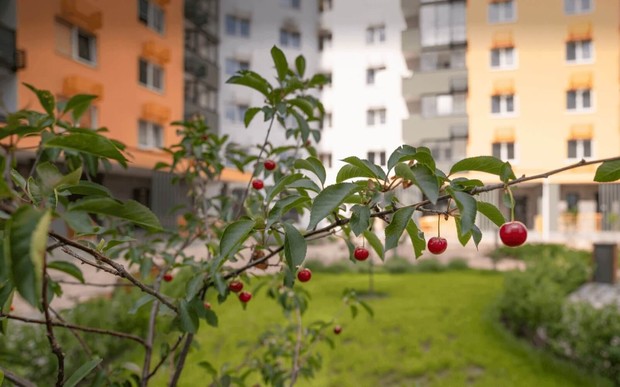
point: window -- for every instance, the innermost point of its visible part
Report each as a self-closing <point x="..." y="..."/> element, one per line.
<point x="442" y="24"/>
<point x="579" y="51"/>
<point x="325" y="40"/>
<point x="376" y="156"/>
<point x="579" y="149"/>
<point x="202" y="95"/>
<point x="375" y="117"/>
<point x="503" y="58"/>
<point x="502" y="11"/>
<point x="371" y="75"/>
<point x="234" y="65"/>
<point x="152" y="15"/>
<point x="326" y="159"/>
<point x="375" y="34"/>
<point x="432" y="61"/>
<point x="290" y="38"/>
<point x="572" y="7"/>
<point x="150" y="135"/>
<point x="236" y="113"/>
<point x="237" y="26"/>
<point x="291" y="3"/>
<point x="326" y="5"/>
<point x="504" y="151"/>
<point x="577" y="100"/>
<point x="76" y="43"/>
<point x="503" y="104"/>
<point x="151" y="75"/>
<point x="326" y="122"/>
<point x="444" y="104"/>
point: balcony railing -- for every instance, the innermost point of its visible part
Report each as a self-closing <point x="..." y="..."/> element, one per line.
<point x="10" y="57"/>
<point x="197" y="11"/>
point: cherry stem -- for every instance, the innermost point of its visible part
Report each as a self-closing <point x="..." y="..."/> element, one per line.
<point x="438" y="225"/>
<point x="512" y="204"/>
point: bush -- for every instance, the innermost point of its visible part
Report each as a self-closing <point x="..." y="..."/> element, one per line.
<point x="457" y="264"/>
<point x="590" y="337"/>
<point x="532" y="251"/>
<point x="336" y="267"/>
<point x="398" y="265"/>
<point x="429" y="265"/>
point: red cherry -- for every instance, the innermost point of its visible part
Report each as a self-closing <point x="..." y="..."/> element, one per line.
<point x="207" y="305"/>
<point x="204" y="137"/>
<point x="513" y="233"/>
<point x="245" y="297"/>
<point x="337" y="329"/>
<point x="360" y="253"/>
<point x="257" y="184"/>
<point x="270" y="165"/>
<point x="235" y="286"/>
<point x="304" y="275"/>
<point x="437" y="245"/>
<point x="12" y="308"/>
<point x="168" y="277"/>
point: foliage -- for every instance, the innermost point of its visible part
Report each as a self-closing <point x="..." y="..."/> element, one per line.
<point x="240" y="238"/>
<point x="533" y="251"/>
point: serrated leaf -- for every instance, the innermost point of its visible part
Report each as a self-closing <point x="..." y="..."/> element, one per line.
<point x="281" y="185"/>
<point x="249" y="115"/>
<point x="417" y="238"/>
<point x="351" y="172"/>
<point x="463" y="237"/>
<point x="360" y="219"/>
<point x="313" y="165"/>
<point x="422" y="177"/>
<point x="234" y="235"/>
<point x="328" y="200"/>
<point x="68" y="268"/>
<point x="305" y="184"/>
<point x="467" y="209"/>
<point x="211" y="318"/>
<point x="130" y="210"/>
<point x="82" y="372"/>
<point x="88" y="188"/>
<point x="303" y="125"/>
<point x="188" y="319"/>
<point x="400" y="154"/>
<point x="507" y="174"/>
<point x="279" y="59"/>
<point x="608" y="171"/>
<point x="91" y="144"/>
<point x="252" y="80"/>
<point x="300" y="65"/>
<point x="488" y="164"/>
<point x="371" y="169"/>
<point x="46" y="99"/>
<point x="375" y="243"/>
<point x="283" y="206"/>
<point x="491" y="212"/>
<point x="304" y="105"/>
<point x="397" y="225"/>
<point x="295" y="246"/>
<point x="25" y="243"/>
<point x="476" y="235"/>
<point x="193" y="286"/>
<point x="51" y="178"/>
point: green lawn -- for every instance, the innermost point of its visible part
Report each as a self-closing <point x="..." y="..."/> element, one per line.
<point x="431" y="329"/>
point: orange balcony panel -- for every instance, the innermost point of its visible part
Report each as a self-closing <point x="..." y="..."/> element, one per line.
<point x="504" y="135"/>
<point x="161" y="3"/>
<point x="581" y="132"/>
<point x="75" y="84"/>
<point x="155" y="112"/>
<point x="156" y="53"/>
<point x="85" y="16"/>
<point x="503" y="87"/>
<point x="581" y="31"/>
<point x="503" y="40"/>
<point x="580" y="81"/>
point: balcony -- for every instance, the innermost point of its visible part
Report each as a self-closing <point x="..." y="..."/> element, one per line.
<point x="200" y="12"/>
<point x="10" y="57"/>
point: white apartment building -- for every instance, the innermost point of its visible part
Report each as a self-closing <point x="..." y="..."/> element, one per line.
<point x="355" y="42"/>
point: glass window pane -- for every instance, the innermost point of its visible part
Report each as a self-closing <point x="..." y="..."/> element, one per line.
<point x="370" y="118"/>
<point x="495" y="54"/>
<point x="571" y="51"/>
<point x="497" y="150"/>
<point x="510" y="103"/>
<point x="231" y="25"/>
<point x="571" y="100"/>
<point x="296" y="40"/>
<point x="158" y="18"/>
<point x="158" y="77"/>
<point x="143" y="11"/>
<point x="142" y="134"/>
<point x="587" y="99"/>
<point x="370" y="76"/>
<point x="244" y="27"/>
<point x="371" y="157"/>
<point x="143" y="77"/>
<point x="85" y="46"/>
<point x="382" y="158"/>
<point x="158" y="136"/>
<point x="572" y="149"/>
<point x="586" y="49"/>
<point x="495" y="104"/>
<point x="284" y="37"/>
<point x="510" y="150"/>
<point x="493" y="12"/>
<point x="509" y="56"/>
<point x="231" y="66"/>
<point x="231" y="113"/>
<point x="382" y="116"/>
<point x="587" y="148"/>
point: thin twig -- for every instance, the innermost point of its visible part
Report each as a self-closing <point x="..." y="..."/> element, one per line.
<point x="120" y="269"/>
<point x="77" y="256"/>
<point x="163" y="359"/>
<point x="15" y="379"/>
<point x="150" y="336"/>
<point x="295" y="370"/>
<point x="121" y="335"/>
<point x="56" y="349"/>
<point x="92" y="284"/>
<point x="181" y="362"/>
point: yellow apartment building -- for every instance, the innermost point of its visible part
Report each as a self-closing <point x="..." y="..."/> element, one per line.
<point x="544" y="93"/>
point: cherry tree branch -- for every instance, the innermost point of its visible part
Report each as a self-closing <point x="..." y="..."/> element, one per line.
<point x="163" y="358"/>
<point x="15" y="379"/>
<point x="181" y="362"/>
<point x="49" y="327"/>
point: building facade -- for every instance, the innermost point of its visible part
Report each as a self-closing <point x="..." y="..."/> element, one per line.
<point x="544" y="94"/>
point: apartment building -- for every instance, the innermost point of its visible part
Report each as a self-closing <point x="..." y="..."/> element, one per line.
<point x="434" y="44"/>
<point x="543" y="94"/>
<point x="364" y="103"/>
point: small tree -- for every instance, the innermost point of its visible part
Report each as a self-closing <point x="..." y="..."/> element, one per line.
<point x="238" y="239"/>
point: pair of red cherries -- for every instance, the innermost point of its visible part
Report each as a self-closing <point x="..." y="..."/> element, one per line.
<point x="512" y="234"/>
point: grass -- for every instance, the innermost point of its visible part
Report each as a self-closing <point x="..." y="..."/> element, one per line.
<point x="432" y="329"/>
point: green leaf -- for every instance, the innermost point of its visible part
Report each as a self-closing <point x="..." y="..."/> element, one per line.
<point x="351" y="172"/>
<point x="402" y="153"/>
<point x="249" y="115"/>
<point x="360" y="219"/>
<point x="285" y="205"/>
<point x="417" y="238"/>
<point x="375" y="243"/>
<point x="507" y="174"/>
<point x="281" y="185"/>
<point x="300" y="65"/>
<point x="303" y="125"/>
<point x="476" y="235"/>
<point x="234" y="235"/>
<point x="371" y="169"/>
<point x="463" y="237"/>
<point x="46" y="99"/>
<point x="491" y="212"/>
<point x="78" y="105"/>
<point x="313" y="165"/>
<point x="488" y="164"/>
<point x="188" y="319"/>
<point x="25" y="243"/>
<point x="280" y="61"/>
<point x="88" y="188"/>
<point x="52" y="178"/>
<point x="295" y="246"/>
<point x="397" y="225"/>
<point x="421" y="176"/>
<point x="82" y="372"/>
<point x="130" y="210"/>
<point x="252" y="80"/>
<point x="305" y="184"/>
<point x="608" y="171"/>
<point x="467" y="209"/>
<point x="68" y="268"/>
<point x="304" y="105"/>
<point x="328" y="200"/>
<point x="145" y="299"/>
<point x="92" y="144"/>
<point x="211" y="318"/>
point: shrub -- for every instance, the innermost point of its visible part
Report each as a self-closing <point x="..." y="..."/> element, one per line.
<point x="532" y="251"/>
<point x="398" y="265"/>
<point x="429" y="265"/>
<point x="457" y="264"/>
